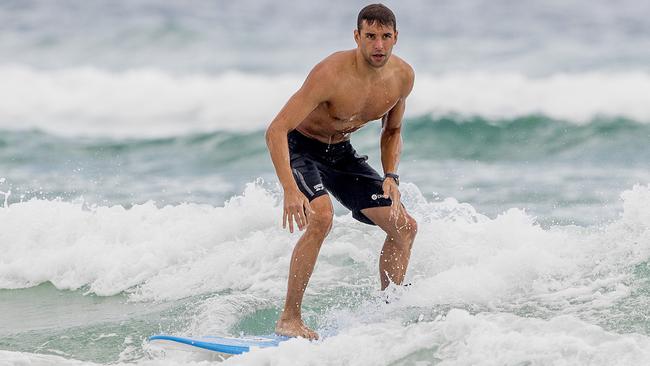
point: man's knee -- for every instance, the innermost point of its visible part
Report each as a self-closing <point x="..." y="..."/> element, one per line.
<point x="412" y="230"/>
<point x="412" y="226"/>
<point x="406" y="230"/>
<point x="321" y="219"/>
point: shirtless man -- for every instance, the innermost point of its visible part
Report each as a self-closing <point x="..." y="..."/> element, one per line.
<point x="310" y="148"/>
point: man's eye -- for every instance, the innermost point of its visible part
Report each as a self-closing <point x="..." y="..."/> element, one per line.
<point x="387" y="36"/>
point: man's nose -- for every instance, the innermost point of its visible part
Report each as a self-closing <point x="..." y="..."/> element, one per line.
<point x="378" y="44"/>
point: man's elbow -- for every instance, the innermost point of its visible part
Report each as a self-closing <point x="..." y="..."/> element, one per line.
<point x="272" y="132"/>
<point x="391" y="131"/>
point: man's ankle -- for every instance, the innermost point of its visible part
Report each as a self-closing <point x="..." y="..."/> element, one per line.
<point x="286" y="316"/>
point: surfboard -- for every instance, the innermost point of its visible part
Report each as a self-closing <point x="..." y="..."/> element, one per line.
<point x="224" y="346"/>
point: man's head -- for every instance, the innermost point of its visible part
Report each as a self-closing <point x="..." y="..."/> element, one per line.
<point x="376" y="34"/>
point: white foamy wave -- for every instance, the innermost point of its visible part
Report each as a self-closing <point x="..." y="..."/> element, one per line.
<point x="459" y="338"/>
<point x="511" y="259"/>
<point x="151" y="102"/>
<point x="143" y="102"/>
<point x="636" y="209"/>
<point x="577" y="98"/>
<point x="463" y="339"/>
<point x="112" y="249"/>
<point x="459" y="255"/>
<point x="461" y="259"/>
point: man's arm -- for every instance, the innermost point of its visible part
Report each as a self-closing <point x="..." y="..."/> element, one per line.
<point x="313" y="92"/>
<point x="391" y="142"/>
<point x="391" y="138"/>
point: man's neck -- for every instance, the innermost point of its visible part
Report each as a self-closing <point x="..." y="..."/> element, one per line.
<point x="364" y="69"/>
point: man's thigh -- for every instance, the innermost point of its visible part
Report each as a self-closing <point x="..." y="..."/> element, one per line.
<point x="381" y="217"/>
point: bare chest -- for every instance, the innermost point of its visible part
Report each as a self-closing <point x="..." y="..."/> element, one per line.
<point x="355" y="108"/>
<point x="354" y="103"/>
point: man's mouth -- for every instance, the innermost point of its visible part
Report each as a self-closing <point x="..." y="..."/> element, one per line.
<point x="378" y="56"/>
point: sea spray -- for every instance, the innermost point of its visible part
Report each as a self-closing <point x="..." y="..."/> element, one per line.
<point x="476" y="280"/>
<point x="5" y="194"/>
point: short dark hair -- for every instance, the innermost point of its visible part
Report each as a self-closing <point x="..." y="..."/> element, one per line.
<point x="377" y="13"/>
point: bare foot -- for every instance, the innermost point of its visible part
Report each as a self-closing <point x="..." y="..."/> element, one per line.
<point x="294" y="328"/>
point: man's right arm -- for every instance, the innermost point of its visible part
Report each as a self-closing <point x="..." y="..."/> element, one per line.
<point x="313" y="92"/>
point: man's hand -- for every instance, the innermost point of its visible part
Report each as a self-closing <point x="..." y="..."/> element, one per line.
<point x="296" y="207"/>
<point x="391" y="191"/>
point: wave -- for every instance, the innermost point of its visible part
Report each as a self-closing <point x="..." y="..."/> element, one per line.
<point x="464" y="339"/>
<point x="477" y="283"/>
<point x="459" y="338"/>
<point x="526" y="138"/>
<point x="154" y="103"/>
<point x="460" y="256"/>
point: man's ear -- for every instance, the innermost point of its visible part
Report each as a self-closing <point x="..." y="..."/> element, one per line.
<point x="356" y="36"/>
<point x="395" y="38"/>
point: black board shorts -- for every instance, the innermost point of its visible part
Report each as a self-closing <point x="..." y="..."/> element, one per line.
<point x="319" y="168"/>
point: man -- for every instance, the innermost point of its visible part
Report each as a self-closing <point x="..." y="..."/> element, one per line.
<point x="312" y="155"/>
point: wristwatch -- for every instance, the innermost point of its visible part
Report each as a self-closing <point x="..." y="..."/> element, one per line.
<point x="392" y="175"/>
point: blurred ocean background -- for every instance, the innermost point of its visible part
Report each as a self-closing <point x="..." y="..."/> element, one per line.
<point x="137" y="196"/>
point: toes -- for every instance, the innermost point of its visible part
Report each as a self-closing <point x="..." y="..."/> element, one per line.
<point x="309" y="334"/>
<point x="298" y="329"/>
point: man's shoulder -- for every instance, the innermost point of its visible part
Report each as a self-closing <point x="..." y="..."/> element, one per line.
<point x="404" y="72"/>
<point x="330" y="66"/>
<point x="337" y="61"/>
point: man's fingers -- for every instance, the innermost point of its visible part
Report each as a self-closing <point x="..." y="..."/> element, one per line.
<point x="300" y="218"/>
<point x="393" y="214"/>
<point x="290" y="217"/>
<point x="296" y="214"/>
<point x="396" y="208"/>
<point x="307" y="211"/>
<point x="402" y="211"/>
<point x="308" y="207"/>
<point x="394" y="195"/>
<point x="303" y="217"/>
<point x="388" y="191"/>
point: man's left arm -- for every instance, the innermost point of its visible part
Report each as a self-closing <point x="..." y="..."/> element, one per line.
<point x="391" y="146"/>
<point x="391" y="137"/>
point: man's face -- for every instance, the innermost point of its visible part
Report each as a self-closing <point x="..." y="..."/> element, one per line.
<point x="375" y="41"/>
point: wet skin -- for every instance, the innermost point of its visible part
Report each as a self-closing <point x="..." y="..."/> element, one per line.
<point x="341" y="94"/>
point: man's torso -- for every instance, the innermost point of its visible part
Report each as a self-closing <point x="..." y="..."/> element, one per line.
<point x="355" y="100"/>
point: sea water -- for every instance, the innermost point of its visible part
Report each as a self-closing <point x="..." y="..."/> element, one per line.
<point x="137" y="196"/>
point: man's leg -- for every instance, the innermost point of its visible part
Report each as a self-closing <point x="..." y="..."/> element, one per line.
<point x="302" y="264"/>
<point x="396" y="252"/>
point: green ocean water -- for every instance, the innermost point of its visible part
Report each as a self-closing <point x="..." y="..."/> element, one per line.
<point x="111" y="200"/>
<point x="556" y="169"/>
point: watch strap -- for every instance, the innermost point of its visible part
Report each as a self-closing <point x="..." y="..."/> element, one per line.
<point x="392" y="175"/>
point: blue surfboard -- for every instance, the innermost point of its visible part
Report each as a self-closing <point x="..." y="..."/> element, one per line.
<point x="223" y="345"/>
